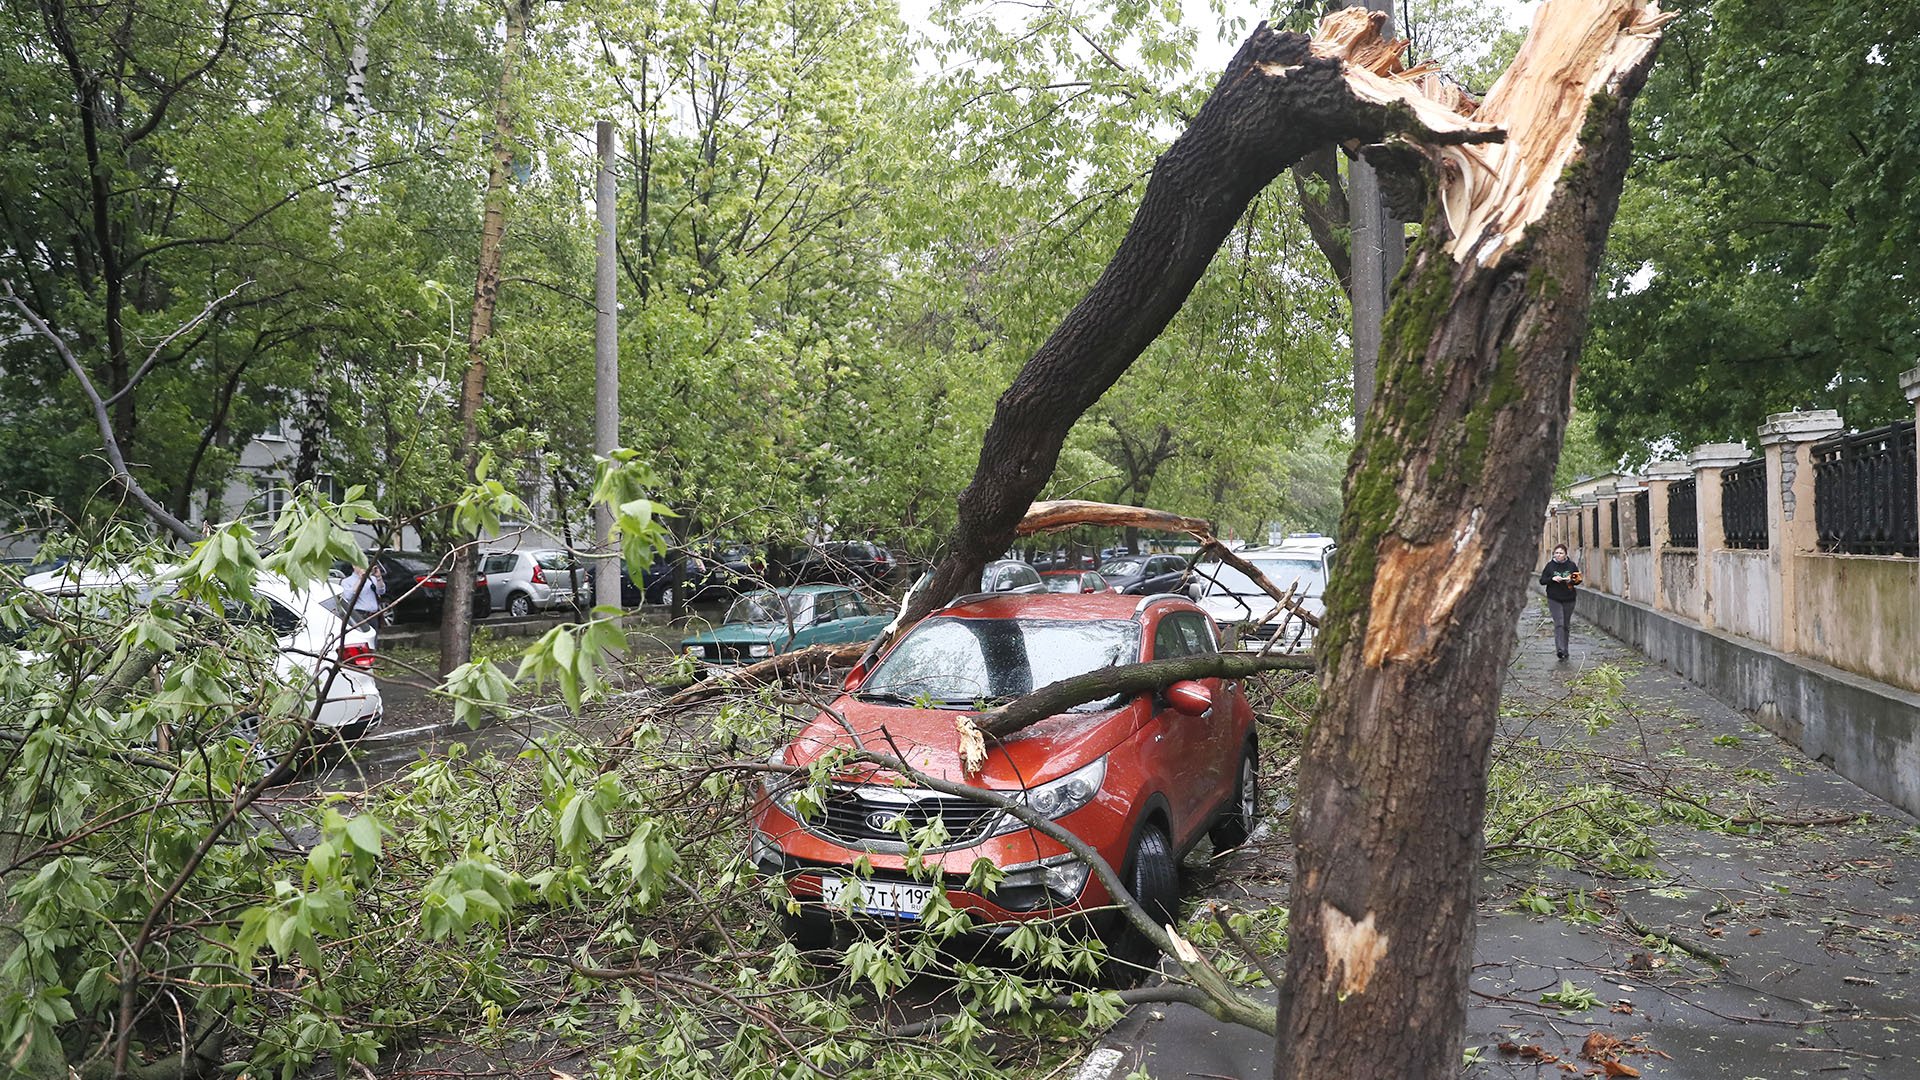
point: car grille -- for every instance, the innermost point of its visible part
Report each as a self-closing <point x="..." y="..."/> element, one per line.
<point x="724" y="654"/>
<point x="862" y="816"/>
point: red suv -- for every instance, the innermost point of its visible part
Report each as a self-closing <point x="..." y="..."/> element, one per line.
<point x="1139" y="778"/>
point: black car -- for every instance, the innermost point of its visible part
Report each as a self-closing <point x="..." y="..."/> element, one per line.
<point x="1144" y="575"/>
<point x="845" y="562"/>
<point x="417" y="585"/>
<point x="700" y="578"/>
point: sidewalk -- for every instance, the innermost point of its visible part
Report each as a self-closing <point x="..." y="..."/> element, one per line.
<point x="1785" y="944"/>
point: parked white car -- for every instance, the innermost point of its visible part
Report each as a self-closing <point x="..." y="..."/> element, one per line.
<point x="320" y="655"/>
<point x="1236" y="602"/>
<point x="523" y="582"/>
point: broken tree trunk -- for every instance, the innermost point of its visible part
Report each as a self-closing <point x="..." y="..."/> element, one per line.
<point x="1444" y="500"/>
<point x="1281" y="97"/>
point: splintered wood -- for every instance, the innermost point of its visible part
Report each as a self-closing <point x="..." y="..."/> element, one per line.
<point x="1490" y="191"/>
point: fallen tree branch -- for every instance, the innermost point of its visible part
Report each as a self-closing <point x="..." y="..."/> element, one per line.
<point x="1057" y="514"/>
<point x="1058" y="697"/>
<point x="1162" y="994"/>
<point x="1684" y="944"/>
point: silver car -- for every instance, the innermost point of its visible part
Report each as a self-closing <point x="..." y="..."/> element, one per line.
<point x="523" y="582"/>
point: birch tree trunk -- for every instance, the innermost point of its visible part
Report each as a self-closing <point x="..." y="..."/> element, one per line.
<point x="456" y="629"/>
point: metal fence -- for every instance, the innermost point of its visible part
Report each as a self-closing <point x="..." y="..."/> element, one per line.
<point x="1683" y="516"/>
<point x="1613" y="522"/>
<point x="1643" y="519"/>
<point x="1743" y="504"/>
<point x="1864" y="494"/>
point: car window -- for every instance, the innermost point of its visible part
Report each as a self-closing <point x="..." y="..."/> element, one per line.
<point x="554" y="560"/>
<point x="1193" y="629"/>
<point x="270" y="613"/>
<point x="761" y="607"/>
<point x="1094" y="582"/>
<point x="838" y="606"/>
<point x="1166" y="564"/>
<point x="498" y="564"/>
<point x="957" y="661"/>
<point x="1063" y="583"/>
<point x="1015" y="575"/>
<point x="1121" y="567"/>
<point x="1168" y="642"/>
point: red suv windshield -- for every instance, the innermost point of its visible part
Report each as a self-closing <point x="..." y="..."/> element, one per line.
<point x="953" y="661"/>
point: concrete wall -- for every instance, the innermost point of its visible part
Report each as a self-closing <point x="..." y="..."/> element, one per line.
<point x="1741" y="595"/>
<point x="1680" y="583"/>
<point x="1867" y="731"/>
<point x="1861" y="613"/>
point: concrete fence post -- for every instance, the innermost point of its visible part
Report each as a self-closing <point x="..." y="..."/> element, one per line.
<point x="1709" y="461"/>
<point x="1589" y="536"/>
<point x="1600" y="574"/>
<point x="1658" y="477"/>
<point x="1632" y="587"/>
<point x="1786" y="439"/>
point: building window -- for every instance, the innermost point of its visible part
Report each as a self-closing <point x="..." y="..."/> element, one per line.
<point x="270" y="494"/>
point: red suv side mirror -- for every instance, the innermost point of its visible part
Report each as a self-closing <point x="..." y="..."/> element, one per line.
<point x="1190" y="698"/>
<point x="854" y="677"/>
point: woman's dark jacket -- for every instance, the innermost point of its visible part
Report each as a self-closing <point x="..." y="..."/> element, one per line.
<point x="1558" y="590"/>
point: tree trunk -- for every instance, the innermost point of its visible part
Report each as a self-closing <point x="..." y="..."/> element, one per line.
<point x="1444" y="499"/>
<point x="456" y="629"/>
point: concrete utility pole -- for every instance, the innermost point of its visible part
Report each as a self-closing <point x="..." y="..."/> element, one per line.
<point x="606" y="362"/>
<point x="1379" y="247"/>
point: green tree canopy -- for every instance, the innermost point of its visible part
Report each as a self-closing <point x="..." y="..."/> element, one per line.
<point x="1769" y="237"/>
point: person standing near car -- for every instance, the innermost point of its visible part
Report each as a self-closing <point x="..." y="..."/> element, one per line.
<point x="1560" y="576"/>
<point x="364" y="590"/>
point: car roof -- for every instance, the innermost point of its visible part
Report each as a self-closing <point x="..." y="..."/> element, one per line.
<point x="1063" y="573"/>
<point x="1050" y="606"/>
<point x="803" y="590"/>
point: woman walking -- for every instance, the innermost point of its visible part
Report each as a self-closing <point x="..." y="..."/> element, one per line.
<point x="1560" y="576"/>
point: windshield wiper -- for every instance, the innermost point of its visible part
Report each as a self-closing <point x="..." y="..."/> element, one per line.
<point x="885" y="696"/>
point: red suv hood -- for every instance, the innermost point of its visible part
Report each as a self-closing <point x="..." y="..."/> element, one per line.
<point x="930" y="742"/>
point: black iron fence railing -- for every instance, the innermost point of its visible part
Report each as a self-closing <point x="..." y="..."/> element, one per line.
<point x="1642" y="519"/>
<point x="1743" y="504"/>
<point x="1683" y="518"/>
<point x="1863" y="492"/>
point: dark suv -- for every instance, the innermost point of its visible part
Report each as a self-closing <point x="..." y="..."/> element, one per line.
<point x="1141" y="778"/>
<point x="845" y="562"/>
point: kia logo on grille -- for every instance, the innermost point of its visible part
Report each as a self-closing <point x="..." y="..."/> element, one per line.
<point x="885" y="821"/>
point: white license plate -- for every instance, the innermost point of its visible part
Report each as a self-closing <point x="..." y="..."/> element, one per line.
<point x="897" y="898"/>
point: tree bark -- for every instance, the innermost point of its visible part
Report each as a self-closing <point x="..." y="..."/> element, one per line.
<point x="1444" y="499"/>
<point x="1056" y="698"/>
<point x="456" y="629"/>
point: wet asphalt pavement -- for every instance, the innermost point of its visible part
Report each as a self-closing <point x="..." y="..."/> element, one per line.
<point x="1793" y="951"/>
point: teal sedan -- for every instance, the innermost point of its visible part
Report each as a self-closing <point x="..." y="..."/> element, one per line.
<point x="770" y="621"/>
